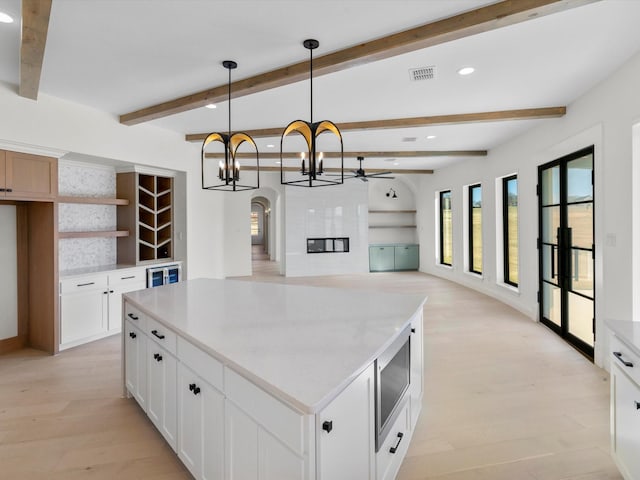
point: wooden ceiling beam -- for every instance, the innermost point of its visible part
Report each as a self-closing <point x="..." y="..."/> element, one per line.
<point x="396" y="154"/>
<point x="35" y="25"/>
<point x="454" y="119"/>
<point x="396" y="171"/>
<point x="459" y="26"/>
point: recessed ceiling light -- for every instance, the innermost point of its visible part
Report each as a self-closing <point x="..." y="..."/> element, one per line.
<point x="271" y="145"/>
<point x="211" y="105"/>
<point x="466" y="71"/>
<point x="430" y="137"/>
<point x="4" y="18"/>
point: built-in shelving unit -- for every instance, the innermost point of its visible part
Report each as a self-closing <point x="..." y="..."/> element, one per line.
<point x="93" y="201"/>
<point x="97" y="233"/>
<point x="149" y="214"/>
<point x="402" y="214"/>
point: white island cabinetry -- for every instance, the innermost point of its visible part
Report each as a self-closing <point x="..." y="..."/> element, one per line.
<point x="625" y="397"/>
<point x="259" y="392"/>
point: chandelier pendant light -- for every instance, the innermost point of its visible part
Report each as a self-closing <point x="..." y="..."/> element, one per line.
<point x="228" y="175"/>
<point x="312" y="164"/>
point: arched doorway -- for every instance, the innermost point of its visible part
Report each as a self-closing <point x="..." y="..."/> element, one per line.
<point x="260" y="211"/>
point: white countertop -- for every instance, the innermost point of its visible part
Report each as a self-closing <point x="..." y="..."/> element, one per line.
<point x="301" y="344"/>
<point x="627" y="331"/>
<point x="75" y="272"/>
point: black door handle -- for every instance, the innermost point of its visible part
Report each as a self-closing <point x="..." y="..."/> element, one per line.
<point x="327" y="425"/>
<point x="132" y="316"/>
<point x="395" y="449"/>
<point x="155" y="332"/>
<point x="132" y="335"/>
<point x="158" y="357"/>
<point x="618" y="355"/>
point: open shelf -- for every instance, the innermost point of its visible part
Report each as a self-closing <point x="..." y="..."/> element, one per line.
<point x="392" y="211"/>
<point x="99" y="233"/>
<point x="93" y="200"/>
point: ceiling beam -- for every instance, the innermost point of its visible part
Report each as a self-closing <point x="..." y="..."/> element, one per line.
<point x="396" y="154"/>
<point x="454" y="119"/>
<point x="459" y="26"/>
<point x="397" y="171"/>
<point x="35" y="24"/>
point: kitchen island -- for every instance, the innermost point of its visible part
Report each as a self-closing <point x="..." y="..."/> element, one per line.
<point x="257" y="380"/>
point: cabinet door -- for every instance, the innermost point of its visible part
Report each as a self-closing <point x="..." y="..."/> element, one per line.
<point x="416" y="386"/>
<point x="114" y="323"/>
<point x="381" y="259"/>
<point x="277" y="462"/>
<point x="161" y="401"/>
<point x="201" y="426"/>
<point x="625" y="400"/>
<point x="135" y="344"/>
<point x="31" y="176"/>
<point x="3" y="177"/>
<point x="82" y="315"/>
<point x="406" y="257"/>
<point x="344" y="431"/>
<point x="241" y="445"/>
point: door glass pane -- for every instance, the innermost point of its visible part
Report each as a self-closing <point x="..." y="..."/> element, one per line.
<point x="551" y="186"/>
<point x="581" y="318"/>
<point x="579" y="187"/>
<point x="550" y="224"/>
<point x="580" y="219"/>
<point x="551" y="303"/>
<point x="550" y="263"/>
<point x="582" y="272"/>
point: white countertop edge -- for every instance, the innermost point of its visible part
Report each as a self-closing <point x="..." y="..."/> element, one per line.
<point x="116" y="267"/>
<point x="266" y="386"/>
<point x="627" y="331"/>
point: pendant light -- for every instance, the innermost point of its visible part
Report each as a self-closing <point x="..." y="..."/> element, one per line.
<point x="228" y="176"/>
<point x="312" y="164"/>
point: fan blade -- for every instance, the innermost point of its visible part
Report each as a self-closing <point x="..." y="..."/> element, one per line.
<point x="363" y="178"/>
<point x="378" y="174"/>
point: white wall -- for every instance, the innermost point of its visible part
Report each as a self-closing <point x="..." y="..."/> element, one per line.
<point x="378" y="200"/>
<point x="9" y="277"/>
<point x="603" y="117"/>
<point x="334" y="211"/>
<point x="54" y="124"/>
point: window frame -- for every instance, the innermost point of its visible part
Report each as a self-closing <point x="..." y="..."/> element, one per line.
<point x="505" y="227"/>
<point x="470" y="190"/>
<point x="441" y="195"/>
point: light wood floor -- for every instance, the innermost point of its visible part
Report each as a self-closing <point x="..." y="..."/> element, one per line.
<point x="505" y="399"/>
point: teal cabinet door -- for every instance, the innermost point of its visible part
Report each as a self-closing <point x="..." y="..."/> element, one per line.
<point x="406" y="257"/>
<point x="381" y="258"/>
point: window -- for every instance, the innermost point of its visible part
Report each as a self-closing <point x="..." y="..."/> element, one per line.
<point x="446" y="229"/>
<point x="475" y="228"/>
<point x="255" y="224"/>
<point x="510" y="229"/>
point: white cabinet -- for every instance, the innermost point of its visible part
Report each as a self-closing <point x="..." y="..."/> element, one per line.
<point x="91" y="305"/>
<point x="346" y="425"/>
<point x="135" y="346"/>
<point x="200" y="426"/>
<point x="83" y="302"/>
<point x="162" y="406"/>
<point x="625" y="409"/>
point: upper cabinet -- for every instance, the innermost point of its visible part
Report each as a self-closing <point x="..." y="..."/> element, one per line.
<point x="149" y="214"/>
<point x="27" y="177"/>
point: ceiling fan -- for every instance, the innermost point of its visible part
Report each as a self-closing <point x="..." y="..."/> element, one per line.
<point x="360" y="173"/>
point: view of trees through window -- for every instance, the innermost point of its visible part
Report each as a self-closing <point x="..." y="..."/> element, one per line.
<point x="510" y="226"/>
<point x="475" y="228"/>
<point x="446" y="229"/>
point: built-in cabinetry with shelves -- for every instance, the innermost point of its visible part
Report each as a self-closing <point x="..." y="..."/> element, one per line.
<point x="93" y="201"/>
<point x="392" y="219"/>
<point x="148" y="217"/>
<point x="393" y="257"/>
<point x="625" y="399"/>
<point x="24" y="176"/>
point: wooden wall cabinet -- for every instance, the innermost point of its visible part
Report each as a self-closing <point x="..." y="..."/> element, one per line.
<point x="27" y="177"/>
<point x="149" y="214"/>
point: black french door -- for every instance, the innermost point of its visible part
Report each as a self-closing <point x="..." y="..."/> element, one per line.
<point x="566" y="248"/>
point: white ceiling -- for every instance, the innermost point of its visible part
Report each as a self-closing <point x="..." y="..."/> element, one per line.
<point x="123" y="55"/>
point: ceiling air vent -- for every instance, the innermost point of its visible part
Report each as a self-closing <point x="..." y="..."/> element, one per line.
<point x="409" y="139"/>
<point x="423" y="73"/>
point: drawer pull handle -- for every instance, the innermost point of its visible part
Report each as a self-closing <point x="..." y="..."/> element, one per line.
<point x="413" y="330"/>
<point x="395" y="449"/>
<point x="3" y="190"/>
<point x="159" y="335"/>
<point x="132" y="316"/>
<point x="618" y="355"/>
<point x="327" y="426"/>
<point x="157" y="357"/>
<point x="132" y="335"/>
<point x="9" y="190"/>
<point x="85" y="284"/>
<point x="637" y="405"/>
<point x="128" y="278"/>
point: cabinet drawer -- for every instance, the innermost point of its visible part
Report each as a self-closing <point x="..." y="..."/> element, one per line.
<point x="81" y="284"/>
<point x="625" y="358"/>
<point x="128" y="277"/>
<point x="162" y="335"/>
<point x="278" y="419"/>
<point x="394" y="448"/>
<point x="201" y="363"/>
<point x="136" y="317"/>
